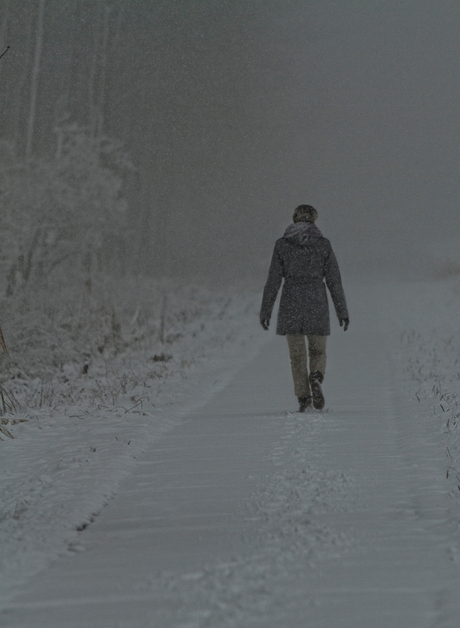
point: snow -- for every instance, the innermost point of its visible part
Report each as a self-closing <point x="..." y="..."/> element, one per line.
<point x="72" y="447"/>
<point x="225" y="507"/>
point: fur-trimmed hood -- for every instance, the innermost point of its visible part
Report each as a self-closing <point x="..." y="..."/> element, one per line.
<point x="299" y="233"/>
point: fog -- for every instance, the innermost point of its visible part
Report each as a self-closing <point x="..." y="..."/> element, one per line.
<point x="234" y="112"/>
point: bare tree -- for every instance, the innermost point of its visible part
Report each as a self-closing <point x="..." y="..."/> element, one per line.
<point x="35" y="73"/>
<point x="93" y="117"/>
<point x="4" y="30"/>
<point x="4" y="26"/>
<point x="17" y="105"/>
<point x="117" y="34"/>
<point x="102" y="78"/>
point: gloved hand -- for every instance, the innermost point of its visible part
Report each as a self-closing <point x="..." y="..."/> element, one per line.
<point x="265" y="323"/>
<point x="345" y="322"/>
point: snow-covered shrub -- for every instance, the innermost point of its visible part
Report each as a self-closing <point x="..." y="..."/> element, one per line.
<point x="58" y="213"/>
<point x="102" y="344"/>
<point x="77" y="331"/>
<point x="429" y="354"/>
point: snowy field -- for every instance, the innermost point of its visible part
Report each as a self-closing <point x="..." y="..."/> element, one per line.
<point x="93" y="393"/>
<point x="427" y="359"/>
<point x="348" y="517"/>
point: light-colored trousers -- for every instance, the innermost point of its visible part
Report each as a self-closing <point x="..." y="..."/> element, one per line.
<point x="298" y="357"/>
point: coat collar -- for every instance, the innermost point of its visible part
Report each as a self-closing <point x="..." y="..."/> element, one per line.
<point x="300" y="232"/>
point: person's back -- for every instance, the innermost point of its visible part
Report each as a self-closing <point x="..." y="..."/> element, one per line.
<point x="303" y="252"/>
<point x="304" y="258"/>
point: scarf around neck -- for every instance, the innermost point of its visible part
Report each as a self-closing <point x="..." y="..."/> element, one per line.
<point x="301" y="232"/>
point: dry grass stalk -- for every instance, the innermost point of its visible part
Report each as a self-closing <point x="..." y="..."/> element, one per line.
<point x="9" y="401"/>
<point x="6" y="432"/>
<point x="3" y="345"/>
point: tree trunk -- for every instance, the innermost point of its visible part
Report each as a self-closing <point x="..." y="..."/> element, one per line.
<point x="35" y="72"/>
<point x="101" y="104"/>
<point x="92" y="82"/>
<point x="4" y="29"/>
<point x="117" y="33"/>
<point x="17" y="105"/>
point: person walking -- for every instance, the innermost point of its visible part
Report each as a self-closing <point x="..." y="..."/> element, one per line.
<point x="304" y="259"/>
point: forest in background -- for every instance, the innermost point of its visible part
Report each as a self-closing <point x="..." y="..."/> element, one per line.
<point x="100" y="110"/>
<point x="118" y="121"/>
<point x="62" y="177"/>
<point x="210" y="121"/>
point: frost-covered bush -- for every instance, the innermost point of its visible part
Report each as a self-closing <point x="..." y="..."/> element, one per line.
<point x="76" y="330"/>
<point x="429" y="354"/>
<point x="59" y="213"/>
<point x="104" y="342"/>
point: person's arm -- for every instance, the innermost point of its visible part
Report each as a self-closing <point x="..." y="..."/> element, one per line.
<point x="334" y="284"/>
<point x="275" y="277"/>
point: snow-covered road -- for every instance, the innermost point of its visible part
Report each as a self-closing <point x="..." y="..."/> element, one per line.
<point x="245" y="514"/>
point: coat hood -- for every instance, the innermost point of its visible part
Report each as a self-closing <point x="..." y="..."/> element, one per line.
<point x="300" y="233"/>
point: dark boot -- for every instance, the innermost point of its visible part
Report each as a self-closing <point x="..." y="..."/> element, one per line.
<point x="316" y="379"/>
<point x="304" y="403"/>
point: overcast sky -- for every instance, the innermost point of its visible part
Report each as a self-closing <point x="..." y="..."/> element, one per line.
<point x="350" y="106"/>
<point x="370" y="119"/>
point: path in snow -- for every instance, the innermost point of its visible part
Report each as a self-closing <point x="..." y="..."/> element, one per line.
<point x="247" y="515"/>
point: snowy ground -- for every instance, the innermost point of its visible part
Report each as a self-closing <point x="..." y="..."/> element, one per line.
<point x="428" y="357"/>
<point x="85" y="419"/>
<point x="232" y="510"/>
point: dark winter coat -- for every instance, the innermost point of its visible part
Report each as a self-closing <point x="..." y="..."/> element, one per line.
<point x="304" y="259"/>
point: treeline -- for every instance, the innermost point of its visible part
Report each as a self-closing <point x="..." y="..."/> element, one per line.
<point x="161" y="100"/>
<point x="63" y="172"/>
